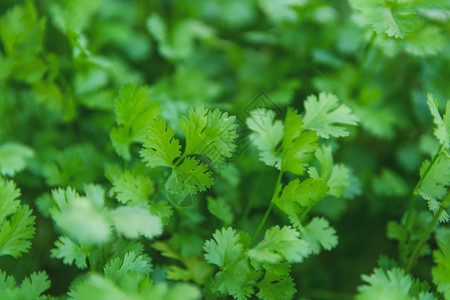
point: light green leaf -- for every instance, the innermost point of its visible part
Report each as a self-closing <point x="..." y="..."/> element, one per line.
<point x="280" y="244"/>
<point x="395" y="18"/>
<point x="133" y="109"/>
<point x="69" y="252"/>
<point x="13" y="158"/>
<point x="299" y="146"/>
<point x="337" y="177"/>
<point x="297" y="195"/>
<point x="442" y="130"/>
<point x="160" y="146"/>
<point x="319" y="234"/>
<point x="190" y="177"/>
<point x="267" y="134"/>
<point x="135" y="221"/>
<point x="220" y="208"/>
<point x="209" y="133"/>
<point x="391" y="285"/>
<point x="325" y="116"/>
<point x="119" y="268"/>
<point x="224" y="249"/>
<point x="132" y="188"/>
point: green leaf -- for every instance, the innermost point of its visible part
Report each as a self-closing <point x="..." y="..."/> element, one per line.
<point x="389" y="184"/>
<point x="267" y="134"/>
<point x="325" y="115"/>
<point x="209" y="133"/>
<point x="132" y="188"/>
<point x="395" y="18"/>
<point x="32" y="287"/>
<point x="69" y="252"/>
<point x="190" y="177"/>
<point x="135" y="221"/>
<point x="391" y="285"/>
<point x="280" y="244"/>
<point x="276" y="287"/>
<point x="442" y="130"/>
<point x="13" y="158"/>
<point x="133" y="109"/>
<point x="221" y="209"/>
<point x="441" y="271"/>
<point x="319" y="234"/>
<point x="83" y="219"/>
<point x="297" y="195"/>
<point x="224" y="249"/>
<point x="434" y="184"/>
<point x="160" y="146"/>
<point x="16" y="221"/>
<point x="16" y="232"/>
<point x="119" y="268"/>
<point x="299" y="146"/>
<point x="336" y="176"/>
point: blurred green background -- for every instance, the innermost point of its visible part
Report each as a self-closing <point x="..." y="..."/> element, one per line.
<point x="63" y="62"/>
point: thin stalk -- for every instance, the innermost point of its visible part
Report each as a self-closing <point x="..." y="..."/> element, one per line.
<point x="423" y="239"/>
<point x="304" y="214"/>
<point x="419" y="184"/>
<point x="250" y="201"/>
<point x="269" y="208"/>
<point x="160" y="188"/>
<point x="366" y="52"/>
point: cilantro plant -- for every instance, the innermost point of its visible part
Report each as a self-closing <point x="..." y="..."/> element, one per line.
<point x="259" y="149"/>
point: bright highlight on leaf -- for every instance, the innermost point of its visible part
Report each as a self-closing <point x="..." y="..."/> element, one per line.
<point x="442" y="130"/>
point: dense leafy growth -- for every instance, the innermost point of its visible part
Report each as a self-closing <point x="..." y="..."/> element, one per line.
<point x="259" y="149"/>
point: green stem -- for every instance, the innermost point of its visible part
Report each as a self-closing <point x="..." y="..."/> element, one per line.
<point x="251" y="199"/>
<point x="160" y="188"/>
<point x="367" y="50"/>
<point x="424" y="238"/>
<point x="418" y="186"/>
<point x="304" y="214"/>
<point x="269" y="209"/>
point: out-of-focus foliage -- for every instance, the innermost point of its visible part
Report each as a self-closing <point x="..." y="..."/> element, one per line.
<point x="140" y="144"/>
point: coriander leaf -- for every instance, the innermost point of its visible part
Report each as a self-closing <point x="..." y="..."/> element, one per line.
<point x="235" y="281"/>
<point x="267" y="134"/>
<point x="389" y="184"/>
<point x="133" y="109"/>
<point x="299" y="146"/>
<point x="336" y="176"/>
<point x="119" y="268"/>
<point x="32" y="287"/>
<point x="16" y="232"/>
<point x="135" y="221"/>
<point x="441" y="271"/>
<point x="319" y="234"/>
<point x="160" y="146"/>
<point x="434" y="185"/>
<point x="395" y="19"/>
<point x="276" y="287"/>
<point x="296" y="194"/>
<point x="8" y="198"/>
<point x="13" y="158"/>
<point x="324" y="114"/>
<point x="132" y="188"/>
<point x="69" y="252"/>
<point x="280" y="244"/>
<point x="190" y="177"/>
<point x="209" y="133"/>
<point x="221" y="209"/>
<point x="224" y="249"/>
<point x="80" y="218"/>
<point x="391" y="285"/>
<point x="442" y="130"/>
